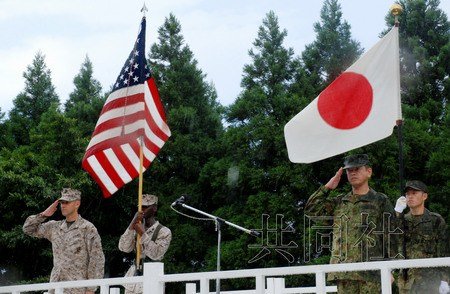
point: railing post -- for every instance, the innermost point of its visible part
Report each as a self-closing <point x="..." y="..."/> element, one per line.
<point x="104" y="289"/>
<point x="113" y="290"/>
<point x="320" y="282"/>
<point x="386" y="287"/>
<point x="260" y="282"/>
<point x="279" y="285"/>
<point x="204" y="286"/>
<point x="270" y="286"/>
<point x="153" y="272"/>
<point x="191" y="288"/>
<point x="275" y="286"/>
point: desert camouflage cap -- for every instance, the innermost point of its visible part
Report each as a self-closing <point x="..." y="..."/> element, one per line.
<point x="148" y="199"/>
<point x="416" y="185"/>
<point x="68" y="194"/>
<point x="356" y="160"/>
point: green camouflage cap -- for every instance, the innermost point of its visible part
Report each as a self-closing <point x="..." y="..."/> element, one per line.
<point x="68" y="194"/>
<point x="148" y="199"/>
<point x="416" y="185"/>
<point x="356" y="160"/>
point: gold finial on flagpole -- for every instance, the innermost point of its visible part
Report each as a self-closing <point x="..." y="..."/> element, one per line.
<point x="396" y="10"/>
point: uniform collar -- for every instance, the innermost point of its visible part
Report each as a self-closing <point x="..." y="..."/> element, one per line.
<point x="153" y="227"/>
<point x="75" y="224"/>
<point x="426" y="216"/>
<point x="366" y="197"/>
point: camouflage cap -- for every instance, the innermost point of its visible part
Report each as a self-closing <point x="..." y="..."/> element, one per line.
<point x="416" y="185"/>
<point x="68" y="194"/>
<point x="356" y="160"/>
<point x="148" y="199"/>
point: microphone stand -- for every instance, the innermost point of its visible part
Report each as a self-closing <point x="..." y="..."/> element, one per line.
<point x="219" y="222"/>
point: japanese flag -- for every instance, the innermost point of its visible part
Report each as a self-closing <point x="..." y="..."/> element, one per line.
<point x="358" y="108"/>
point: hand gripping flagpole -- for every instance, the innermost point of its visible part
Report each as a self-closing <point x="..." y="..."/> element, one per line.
<point x="219" y="222"/>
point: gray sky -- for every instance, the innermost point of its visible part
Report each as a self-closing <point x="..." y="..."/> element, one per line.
<point x="219" y="32"/>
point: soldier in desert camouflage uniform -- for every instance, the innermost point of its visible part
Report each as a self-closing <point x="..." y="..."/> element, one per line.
<point x="357" y="216"/>
<point x="155" y="238"/>
<point x="426" y="236"/>
<point x="76" y="244"/>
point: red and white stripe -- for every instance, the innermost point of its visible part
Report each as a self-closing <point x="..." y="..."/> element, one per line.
<point x="112" y="156"/>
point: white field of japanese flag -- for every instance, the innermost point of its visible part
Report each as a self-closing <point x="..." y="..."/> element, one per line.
<point x="358" y="108"/>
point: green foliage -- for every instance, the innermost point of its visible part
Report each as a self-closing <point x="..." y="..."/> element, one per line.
<point x="29" y="105"/>
<point x="424" y="41"/>
<point x="86" y="101"/>
<point x="333" y="50"/>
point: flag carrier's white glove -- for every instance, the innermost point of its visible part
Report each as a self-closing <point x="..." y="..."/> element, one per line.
<point x="444" y="288"/>
<point x="400" y="205"/>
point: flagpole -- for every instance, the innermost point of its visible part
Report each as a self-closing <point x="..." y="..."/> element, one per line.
<point x="396" y="10"/>
<point x="141" y="181"/>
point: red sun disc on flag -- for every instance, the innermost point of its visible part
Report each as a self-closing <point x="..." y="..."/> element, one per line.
<point x="346" y="103"/>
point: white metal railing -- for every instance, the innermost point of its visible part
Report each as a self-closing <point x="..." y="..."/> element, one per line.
<point x="154" y="278"/>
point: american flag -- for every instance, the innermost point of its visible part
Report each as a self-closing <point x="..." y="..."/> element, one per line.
<point x="132" y="111"/>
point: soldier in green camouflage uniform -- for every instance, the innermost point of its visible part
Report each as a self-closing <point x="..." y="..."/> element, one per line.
<point x="358" y="228"/>
<point x="76" y="244"/>
<point x="426" y="236"/>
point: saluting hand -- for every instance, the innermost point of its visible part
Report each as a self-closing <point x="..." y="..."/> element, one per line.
<point x="334" y="181"/>
<point x="51" y="209"/>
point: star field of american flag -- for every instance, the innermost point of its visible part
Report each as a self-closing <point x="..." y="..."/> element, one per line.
<point x="135" y="70"/>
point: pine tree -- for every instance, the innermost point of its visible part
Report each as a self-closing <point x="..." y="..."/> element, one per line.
<point x="85" y="102"/>
<point x="261" y="180"/>
<point x="333" y="50"/>
<point x="39" y="94"/>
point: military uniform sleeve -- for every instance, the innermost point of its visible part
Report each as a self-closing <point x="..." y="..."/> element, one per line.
<point x="400" y="223"/>
<point x="96" y="268"/>
<point x="318" y="204"/>
<point x="443" y="249"/>
<point x="156" y="249"/>
<point x="443" y="239"/>
<point x="394" y="242"/>
<point x="35" y="227"/>
<point x="127" y="242"/>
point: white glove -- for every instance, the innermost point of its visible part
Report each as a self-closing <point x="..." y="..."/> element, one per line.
<point x="400" y="205"/>
<point x="444" y="288"/>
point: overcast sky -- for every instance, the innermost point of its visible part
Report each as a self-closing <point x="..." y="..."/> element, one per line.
<point x="219" y="33"/>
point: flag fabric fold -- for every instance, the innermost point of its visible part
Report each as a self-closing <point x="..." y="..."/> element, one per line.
<point x="132" y="112"/>
<point x="359" y="107"/>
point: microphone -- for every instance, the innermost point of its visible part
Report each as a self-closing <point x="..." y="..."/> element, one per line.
<point x="179" y="201"/>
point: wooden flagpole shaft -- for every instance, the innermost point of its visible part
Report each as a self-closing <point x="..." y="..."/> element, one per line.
<point x="141" y="180"/>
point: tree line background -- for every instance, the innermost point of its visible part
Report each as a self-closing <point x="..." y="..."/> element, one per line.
<point x="231" y="160"/>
